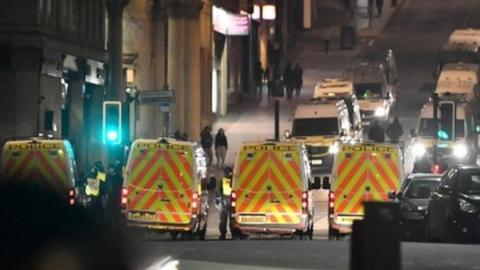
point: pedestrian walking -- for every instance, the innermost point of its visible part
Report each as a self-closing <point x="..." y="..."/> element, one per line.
<point x="221" y="146"/>
<point x="370" y="8"/>
<point x="395" y="130"/>
<point x="376" y="133"/>
<point x="222" y="200"/>
<point x="259" y="77"/>
<point x="276" y="83"/>
<point x="206" y="140"/>
<point x="288" y="79"/>
<point x="379" y="4"/>
<point x="298" y="79"/>
<point x="327" y="35"/>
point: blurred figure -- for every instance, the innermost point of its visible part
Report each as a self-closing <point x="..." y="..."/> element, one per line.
<point x="395" y="130"/>
<point x="223" y="201"/>
<point x="288" y="80"/>
<point x="298" y="79"/>
<point x="276" y="84"/>
<point x="259" y="77"/>
<point x="379" y="4"/>
<point x="221" y="147"/>
<point x="115" y="181"/>
<point x="42" y="232"/>
<point x="376" y="133"/>
<point x="206" y="140"/>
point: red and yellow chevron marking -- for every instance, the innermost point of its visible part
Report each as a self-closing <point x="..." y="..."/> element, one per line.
<point x="162" y="181"/>
<point x="269" y="184"/>
<point x="364" y="176"/>
<point x="46" y="165"/>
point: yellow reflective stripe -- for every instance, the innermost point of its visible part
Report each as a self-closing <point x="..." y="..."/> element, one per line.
<point x="348" y="188"/>
<point x="226" y="186"/>
<point x="353" y="160"/>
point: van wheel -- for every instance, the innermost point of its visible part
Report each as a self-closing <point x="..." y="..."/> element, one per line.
<point x="201" y="233"/>
<point x="174" y="235"/>
<point x="333" y="234"/>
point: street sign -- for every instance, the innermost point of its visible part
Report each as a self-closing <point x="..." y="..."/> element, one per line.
<point x="156" y="96"/>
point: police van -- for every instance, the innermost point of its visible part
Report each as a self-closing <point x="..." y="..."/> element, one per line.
<point x="375" y="95"/>
<point x="342" y="89"/>
<point x="272" y="190"/>
<point x="321" y="125"/>
<point x="456" y="133"/>
<point x="462" y="46"/>
<point x="46" y="163"/>
<point x="362" y="172"/>
<point x="459" y="79"/>
<point x="165" y="187"/>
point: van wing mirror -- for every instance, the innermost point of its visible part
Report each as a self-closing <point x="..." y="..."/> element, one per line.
<point x="413" y="134"/>
<point x="287" y="134"/>
<point x="317" y="184"/>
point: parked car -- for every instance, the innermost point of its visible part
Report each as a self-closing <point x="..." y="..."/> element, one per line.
<point x="453" y="210"/>
<point x="413" y="198"/>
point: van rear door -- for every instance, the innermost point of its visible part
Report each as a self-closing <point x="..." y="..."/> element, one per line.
<point x="45" y="163"/>
<point x="160" y="183"/>
<point x="364" y="174"/>
<point x="269" y="185"/>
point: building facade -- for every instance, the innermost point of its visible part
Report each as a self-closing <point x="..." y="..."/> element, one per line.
<point x="52" y="71"/>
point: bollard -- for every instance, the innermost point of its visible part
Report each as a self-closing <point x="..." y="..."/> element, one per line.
<point x="356" y="245"/>
<point x="376" y="240"/>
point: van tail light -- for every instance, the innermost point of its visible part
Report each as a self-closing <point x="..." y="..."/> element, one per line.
<point x="71" y="196"/>
<point x="331" y="202"/>
<point x="124" y="198"/>
<point x="233" y="200"/>
<point x="305" y="201"/>
<point x="194" y="202"/>
<point x="436" y="169"/>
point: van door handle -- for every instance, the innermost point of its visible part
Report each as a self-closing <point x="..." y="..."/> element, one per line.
<point x="269" y="188"/>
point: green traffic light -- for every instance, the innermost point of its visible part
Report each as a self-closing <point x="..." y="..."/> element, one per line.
<point x="442" y="135"/>
<point x="112" y="135"/>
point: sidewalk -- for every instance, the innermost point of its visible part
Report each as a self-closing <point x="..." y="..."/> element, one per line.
<point x="254" y="119"/>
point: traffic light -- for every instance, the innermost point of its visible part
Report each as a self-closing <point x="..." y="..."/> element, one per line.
<point x="112" y="122"/>
<point x="447" y="121"/>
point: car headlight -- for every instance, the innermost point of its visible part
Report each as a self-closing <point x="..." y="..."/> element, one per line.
<point x="419" y="149"/>
<point x="460" y="150"/>
<point x="333" y="149"/>
<point x="467" y="207"/>
<point x="380" y="112"/>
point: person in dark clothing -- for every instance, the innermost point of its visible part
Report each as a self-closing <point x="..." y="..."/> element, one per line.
<point x="259" y="77"/>
<point x="298" y="79"/>
<point x="221" y="146"/>
<point x="276" y="84"/>
<point x="395" y="130"/>
<point x="206" y="140"/>
<point x="115" y="181"/>
<point x="376" y="133"/>
<point x="288" y="79"/>
<point x="370" y="8"/>
<point x="379" y="4"/>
